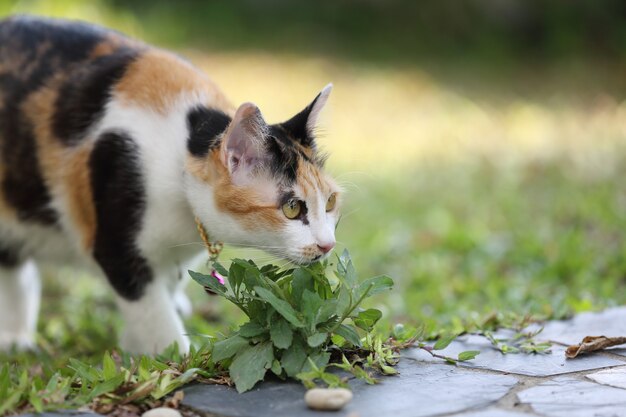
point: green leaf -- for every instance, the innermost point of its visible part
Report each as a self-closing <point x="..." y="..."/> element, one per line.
<point x="235" y="276"/>
<point x="157" y="364"/>
<point x="144" y="368"/>
<point x="209" y="282"/>
<point x="308" y="379"/>
<point x="332" y="380"/>
<point x="227" y="348"/>
<point x="468" y="355"/>
<point x="302" y="280"/>
<point x="258" y="308"/>
<point x="107" y="386"/>
<point x="251" y="329"/>
<point x="317" y="339"/>
<point x="319" y="359"/>
<point x="444" y="341"/>
<point x="220" y="268"/>
<point x="109" y="370"/>
<point x="378" y="284"/>
<point x="349" y="333"/>
<point x="310" y="307"/>
<point x="250" y="365"/>
<point x="345" y="270"/>
<point x="367" y="319"/>
<point x="282" y="306"/>
<point x="388" y="370"/>
<point x="246" y="264"/>
<point x="167" y="386"/>
<point x="5" y="381"/>
<point x="86" y="372"/>
<point x="281" y="334"/>
<point x="35" y="400"/>
<point x="252" y="278"/>
<point x="328" y="309"/>
<point x="276" y="368"/>
<point x="293" y="358"/>
<point x="11" y="401"/>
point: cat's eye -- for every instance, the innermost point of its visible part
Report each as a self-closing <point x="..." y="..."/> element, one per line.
<point x="292" y="208"/>
<point x="332" y="202"/>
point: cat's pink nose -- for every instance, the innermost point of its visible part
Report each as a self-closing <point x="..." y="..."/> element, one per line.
<point x="327" y="247"/>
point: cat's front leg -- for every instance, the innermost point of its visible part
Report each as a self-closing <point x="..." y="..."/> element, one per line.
<point x="20" y="292"/>
<point x="152" y="322"/>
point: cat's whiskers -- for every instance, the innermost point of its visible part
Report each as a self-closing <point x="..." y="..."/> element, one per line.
<point x="351" y="212"/>
<point x="199" y="243"/>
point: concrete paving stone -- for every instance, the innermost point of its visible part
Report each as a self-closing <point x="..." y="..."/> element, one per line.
<point x="493" y="412"/>
<point x="615" y="377"/>
<point x="421" y="389"/>
<point x="569" y="397"/>
<point x="610" y="322"/>
<point x="540" y="364"/>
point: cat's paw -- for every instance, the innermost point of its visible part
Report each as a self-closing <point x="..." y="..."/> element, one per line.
<point x="152" y="344"/>
<point x="18" y="341"/>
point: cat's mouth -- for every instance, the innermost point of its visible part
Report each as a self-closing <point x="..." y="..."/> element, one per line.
<point x="307" y="260"/>
<point x="304" y="257"/>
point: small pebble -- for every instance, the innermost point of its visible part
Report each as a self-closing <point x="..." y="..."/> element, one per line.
<point x="327" y="399"/>
<point x="162" y="412"/>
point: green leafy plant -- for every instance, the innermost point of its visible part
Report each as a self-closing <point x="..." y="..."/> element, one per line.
<point x="297" y="318"/>
<point x="119" y="381"/>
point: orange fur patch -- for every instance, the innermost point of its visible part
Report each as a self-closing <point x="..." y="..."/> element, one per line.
<point x="254" y="211"/>
<point x="157" y="78"/>
<point x="113" y="42"/>
<point x="246" y="204"/>
<point x="77" y="182"/>
<point x="62" y="167"/>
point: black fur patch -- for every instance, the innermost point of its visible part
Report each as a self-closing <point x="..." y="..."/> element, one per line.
<point x="9" y="256"/>
<point x="297" y="126"/>
<point x="68" y="41"/>
<point x="42" y="47"/>
<point x="23" y="185"/>
<point x="205" y="125"/>
<point x="284" y="155"/>
<point x="83" y="96"/>
<point x="119" y="199"/>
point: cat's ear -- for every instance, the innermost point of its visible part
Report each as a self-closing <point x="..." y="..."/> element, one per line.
<point x="243" y="148"/>
<point x="302" y="125"/>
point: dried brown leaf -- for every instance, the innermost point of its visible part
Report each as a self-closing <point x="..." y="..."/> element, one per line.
<point x="175" y="400"/>
<point x="593" y="344"/>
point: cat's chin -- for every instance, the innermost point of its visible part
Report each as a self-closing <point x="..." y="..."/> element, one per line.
<point x="301" y="261"/>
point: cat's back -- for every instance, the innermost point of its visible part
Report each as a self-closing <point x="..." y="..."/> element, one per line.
<point x="29" y="35"/>
<point x="53" y="79"/>
<point x="35" y="50"/>
<point x="64" y="85"/>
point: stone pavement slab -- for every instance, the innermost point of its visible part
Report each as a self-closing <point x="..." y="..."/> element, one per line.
<point x="419" y="390"/>
<point x="482" y="387"/>
<point x="570" y="397"/>
<point x="610" y="322"/>
<point x="493" y="412"/>
<point x="540" y="364"/>
<point x="615" y="377"/>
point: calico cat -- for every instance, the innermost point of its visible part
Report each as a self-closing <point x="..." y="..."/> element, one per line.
<point x="109" y="148"/>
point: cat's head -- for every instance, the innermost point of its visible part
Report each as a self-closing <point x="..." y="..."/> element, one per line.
<point x="263" y="185"/>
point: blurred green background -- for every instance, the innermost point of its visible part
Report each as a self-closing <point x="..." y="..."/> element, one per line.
<point x="481" y="143"/>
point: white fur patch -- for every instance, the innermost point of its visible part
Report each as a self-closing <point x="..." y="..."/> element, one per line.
<point x="314" y="116"/>
<point x="20" y="293"/>
<point x="152" y="323"/>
